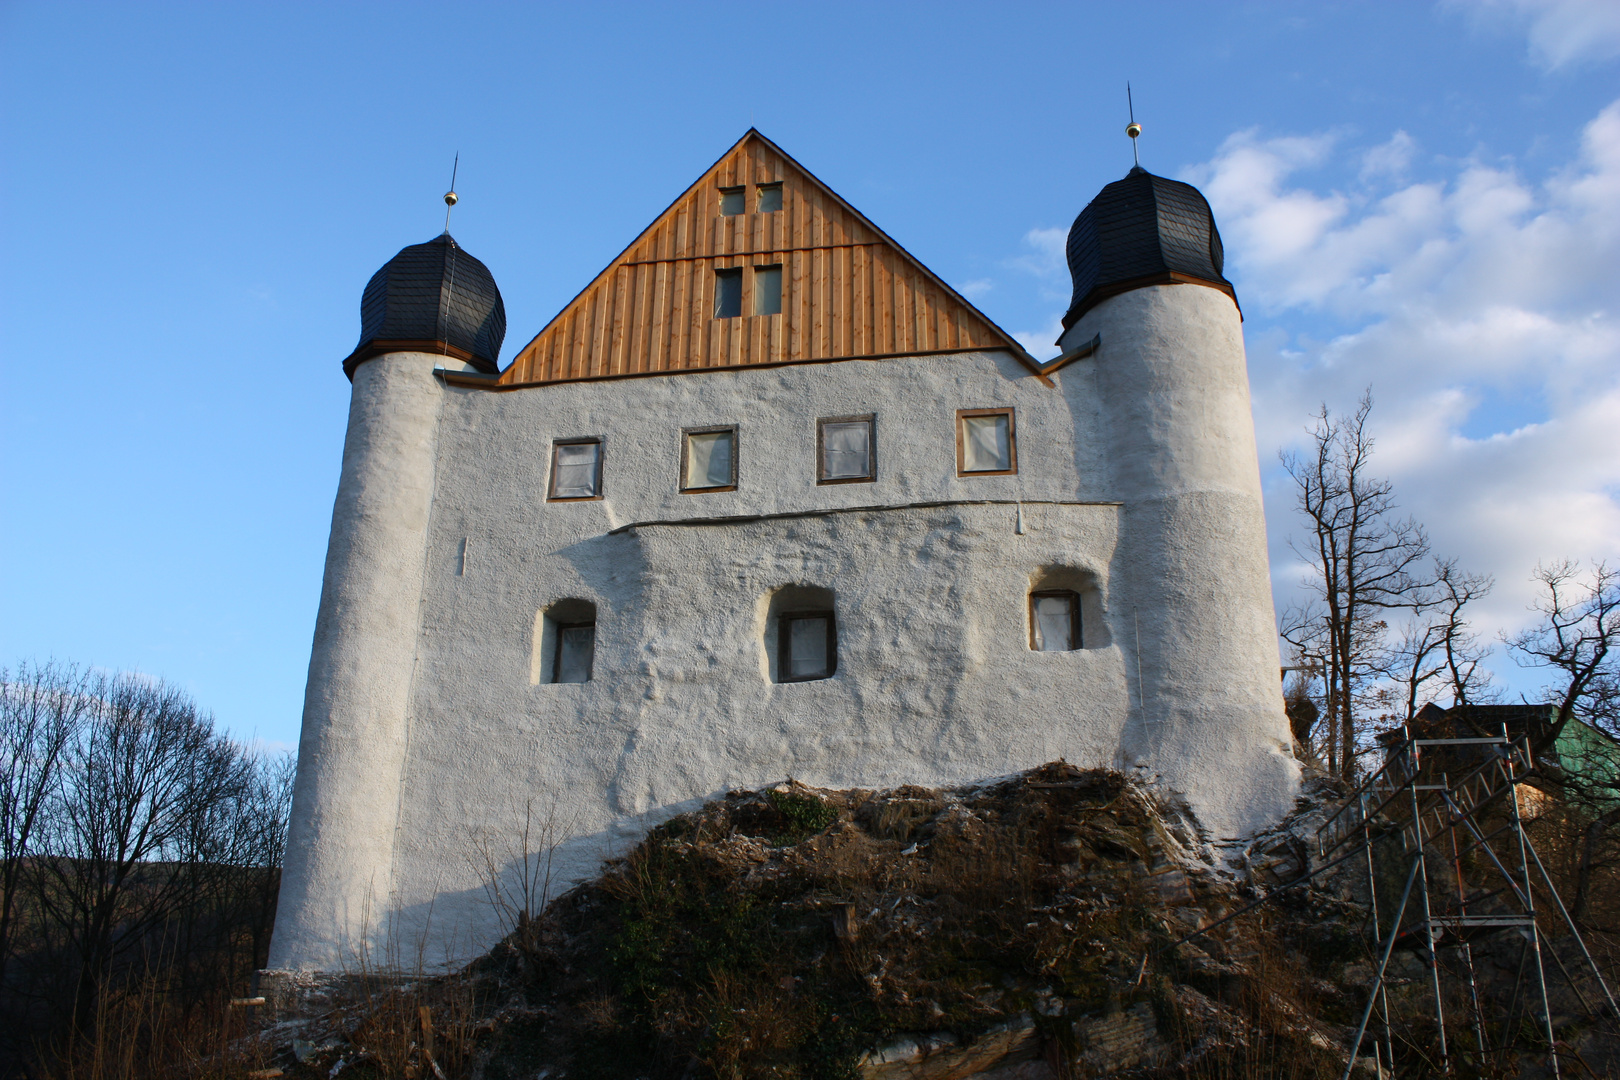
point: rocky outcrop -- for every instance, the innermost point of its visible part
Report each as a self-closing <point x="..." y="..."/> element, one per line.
<point x="1058" y="924"/>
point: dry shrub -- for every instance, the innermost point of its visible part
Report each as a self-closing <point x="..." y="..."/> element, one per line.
<point x="142" y="1032"/>
<point x="407" y="1030"/>
<point x="783" y="932"/>
<point x="1268" y="1027"/>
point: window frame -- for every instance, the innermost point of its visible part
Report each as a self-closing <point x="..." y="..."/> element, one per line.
<point x="734" y="273"/>
<point x="734" y="189"/>
<point x="557" y="651"/>
<point x="871" y="449"/>
<point x="551" y="483"/>
<point x="1012" y="441"/>
<point x="780" y="291"/>
<point x="1076" y="627"/>
<point x="759" y="196"/>
<point x="685" y="455"/>
<point x="784" y="645"/>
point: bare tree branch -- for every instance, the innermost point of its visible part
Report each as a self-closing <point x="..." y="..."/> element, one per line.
<point x="1365" y="562"/>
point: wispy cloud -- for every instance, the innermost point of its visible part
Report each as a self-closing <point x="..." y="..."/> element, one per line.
<point x="1559" y="32"/>
<point x="1390" y="159"/>
<point x="1043" y="263"/>
<point x="1464" y="302"/>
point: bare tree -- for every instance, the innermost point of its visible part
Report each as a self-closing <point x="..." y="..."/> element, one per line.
<point x="517" y="876"/>
<point x="142" y="790"/>
<point x="1365" y="562"/>
<point x="41" y="711"/>
<point x="228" y="877"/>
<point x="141" y="857"/>
<point x="269" y="810"/>
<point x="1577" y="639"/>
<point x="1439" y="648"/>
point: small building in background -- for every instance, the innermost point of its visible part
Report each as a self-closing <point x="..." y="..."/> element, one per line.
<point x="1578" y="766"/>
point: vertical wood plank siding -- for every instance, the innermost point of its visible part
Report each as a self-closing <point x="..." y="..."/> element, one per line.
<point x="847" y="290"/>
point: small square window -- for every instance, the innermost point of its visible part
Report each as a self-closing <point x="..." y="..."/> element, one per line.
<point x="727" y="294"/>
<point x="1054" y="621"/>
<point x="576" y="469"/>
<point x="576" y="652"/>
<point x="807" y="646"/>
<point x="767" y="290"/>
<point x="985" y="442"/>
<point x="845" y="450"/>
<point x="709" y="459"/>
<point x="770" y="198"/>
<point x="732" y="200"/>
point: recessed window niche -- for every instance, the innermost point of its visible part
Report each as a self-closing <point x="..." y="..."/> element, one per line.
<point x="564" y="643"/>
<point x="800" y="634"/>
<point x="1063" y="610"/>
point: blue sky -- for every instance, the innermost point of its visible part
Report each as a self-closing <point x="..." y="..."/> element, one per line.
<point x="1424" y="199"/>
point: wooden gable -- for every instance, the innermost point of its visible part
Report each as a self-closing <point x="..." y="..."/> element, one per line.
<point x="848" y="291"/>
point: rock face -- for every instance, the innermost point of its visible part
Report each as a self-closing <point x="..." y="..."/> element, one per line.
<point x="1056" y="924"/>
<point x="1025" y="928"/>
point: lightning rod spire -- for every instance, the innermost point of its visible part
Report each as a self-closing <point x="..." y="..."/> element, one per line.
<point x="1133" y="129"/>
<point x="450" y="196"/>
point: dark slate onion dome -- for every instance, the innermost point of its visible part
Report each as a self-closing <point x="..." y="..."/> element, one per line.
<point x="435" y="298"/>
<point x="1139" y="231"/>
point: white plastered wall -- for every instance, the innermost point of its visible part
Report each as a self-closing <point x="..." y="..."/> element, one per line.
<point x="336" y="883"/>
<point x="1137" y="468"/>
<point x="1195" y="582"/>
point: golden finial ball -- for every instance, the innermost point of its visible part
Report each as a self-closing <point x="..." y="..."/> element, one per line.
<point x="449" y="198"/>
<point x="1133" y="129"/>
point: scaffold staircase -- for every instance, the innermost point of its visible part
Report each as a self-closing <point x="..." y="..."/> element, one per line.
<point x="1451" y="899"/>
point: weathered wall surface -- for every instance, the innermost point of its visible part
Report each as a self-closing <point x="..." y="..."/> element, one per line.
<point x="1137" y="469"/>
<point x="1192" y="567"/>
<point x="338" y="873"/>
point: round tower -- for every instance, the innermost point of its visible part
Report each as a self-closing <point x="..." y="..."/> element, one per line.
<point x="1192" y="579"/>
<point x="430" y="306"/>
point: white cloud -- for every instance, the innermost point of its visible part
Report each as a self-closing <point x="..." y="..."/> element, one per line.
<point x="1483" y="303"/>
<point x="1044" y="257"/>
<point x="1390" y="159"/>
<point x="975" y="288"/>
<point x="1560" y="32"/>
<point x="1045" y="260"/>
<point x="1041" y="344"/>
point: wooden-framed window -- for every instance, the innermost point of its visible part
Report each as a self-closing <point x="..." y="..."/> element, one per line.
<point x="576" y="652"/>
<point x="728" y="293"/>
<point x="986" y="442"/>
<point x="1054" y="620"/>
<point x="806" y="646"/>
<point x="770" y="198"/>
<point x="576" y="470"/>
<point x="733" y="201"/>
<point x="846" y="449"/>
<point x="709" y="458"/>
<point x="768" y="290"/>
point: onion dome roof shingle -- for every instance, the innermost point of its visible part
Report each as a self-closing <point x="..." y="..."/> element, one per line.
<point x="432" y="297"/>
<point x="1139" y="231"/>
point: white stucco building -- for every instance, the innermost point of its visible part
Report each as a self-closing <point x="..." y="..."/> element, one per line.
<point x="768" y="499"/>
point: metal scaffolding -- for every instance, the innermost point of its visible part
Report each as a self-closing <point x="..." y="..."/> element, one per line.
<point x="1470" y="872"/>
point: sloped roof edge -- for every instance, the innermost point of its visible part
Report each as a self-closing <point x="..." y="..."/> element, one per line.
<point x="1011" y="343"/>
